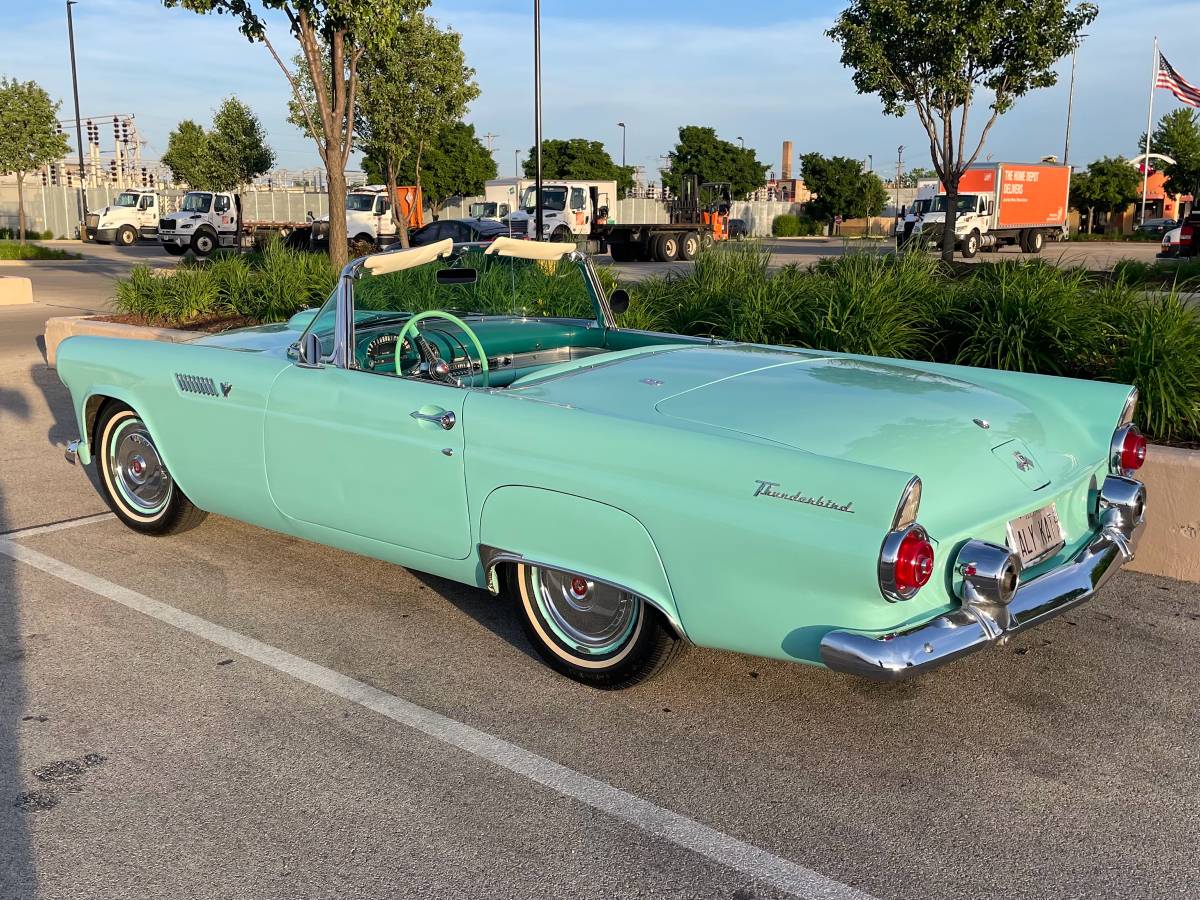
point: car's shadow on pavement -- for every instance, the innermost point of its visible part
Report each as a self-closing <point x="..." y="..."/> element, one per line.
<point x="496" y="614"/>
<point x="18" y="875"/>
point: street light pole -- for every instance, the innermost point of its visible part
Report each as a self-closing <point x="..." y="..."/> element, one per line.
<point x="1071" y="102"/>
<point x="743" y="141"/>
<point x="899" y="171"/>
<point x="78" y="122"/>
<point x="537" y="114"/>
<point x="517" y="163"/>
<point x="621" y="125"/>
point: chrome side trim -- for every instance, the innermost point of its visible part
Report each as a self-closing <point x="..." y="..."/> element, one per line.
<point x="973" y="626"/>
<point x="1114" y="450"/>
<point x="491" y="558"/>
<point x="909" y="497"/>
<point x="1130" y="407"/>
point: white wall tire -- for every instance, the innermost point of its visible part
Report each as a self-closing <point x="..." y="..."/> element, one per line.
<point x="596" y="634"/>
<point x="134" y="480"/>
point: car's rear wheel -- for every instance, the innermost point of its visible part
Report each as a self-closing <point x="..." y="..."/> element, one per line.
<point x="134" y="480"/>
<point x="1035" y="240"/>
<point x="593" y="632"/>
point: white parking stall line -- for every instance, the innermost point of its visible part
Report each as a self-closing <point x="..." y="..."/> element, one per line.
<point x="55" y="526"/>
<point x="649" y="817"/>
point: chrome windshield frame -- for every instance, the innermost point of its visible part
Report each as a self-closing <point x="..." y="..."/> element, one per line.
<point x="342" y="355"/>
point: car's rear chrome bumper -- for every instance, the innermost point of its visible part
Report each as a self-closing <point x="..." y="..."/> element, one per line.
<point x="895" y="657"/>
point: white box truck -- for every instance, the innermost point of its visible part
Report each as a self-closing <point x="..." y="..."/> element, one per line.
<point x="1003" y="204"/>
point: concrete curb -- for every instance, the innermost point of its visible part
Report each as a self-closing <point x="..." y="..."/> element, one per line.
<point x="1170" y="545"/>
<point x="60" y="328"/>
<point x="31" y="263"/>
<point x="15" y="291"/>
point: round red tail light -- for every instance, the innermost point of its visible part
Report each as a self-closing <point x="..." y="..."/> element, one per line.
<point x="914" y="562"/>
<point x="1133" y="450"/>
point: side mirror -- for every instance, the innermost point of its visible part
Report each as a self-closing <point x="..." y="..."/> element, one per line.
<point x="310" y="351"/>
<point x="618" y="301"/>
<point x="308" y="217"/>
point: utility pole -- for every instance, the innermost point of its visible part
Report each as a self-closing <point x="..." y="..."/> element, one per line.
<point x="78" y="122"/>
<point x="537" y="115"/>
<point x="490" y="138"/>
<point x="517" y="163"/>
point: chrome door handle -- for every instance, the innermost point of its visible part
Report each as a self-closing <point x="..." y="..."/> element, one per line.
<point x="446" y="418"/>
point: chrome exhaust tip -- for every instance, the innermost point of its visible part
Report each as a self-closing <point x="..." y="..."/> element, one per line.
<point x="990" y="573"/>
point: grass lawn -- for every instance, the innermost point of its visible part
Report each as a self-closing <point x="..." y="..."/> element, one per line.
<point x="15" y="250"/>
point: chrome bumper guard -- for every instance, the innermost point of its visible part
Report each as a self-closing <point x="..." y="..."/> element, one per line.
<point x="1119" y="517"/>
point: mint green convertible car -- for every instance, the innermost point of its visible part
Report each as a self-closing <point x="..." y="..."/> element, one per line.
<point x="632" y="492"/>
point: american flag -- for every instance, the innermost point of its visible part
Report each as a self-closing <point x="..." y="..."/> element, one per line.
<point x="1172" y="81"/>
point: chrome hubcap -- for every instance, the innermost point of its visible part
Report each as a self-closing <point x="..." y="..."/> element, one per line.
<point x="140" y="476"/>
<point x="595" y="617"/>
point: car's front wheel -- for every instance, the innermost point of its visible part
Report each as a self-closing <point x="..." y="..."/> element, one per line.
<point x="134" y="479"/>
<point x="591" y="631"/>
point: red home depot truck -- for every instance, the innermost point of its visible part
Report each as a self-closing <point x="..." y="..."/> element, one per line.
<point x="1005" y="203"/>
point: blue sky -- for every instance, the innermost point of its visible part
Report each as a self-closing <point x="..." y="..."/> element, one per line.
<point x="769" y="76"/>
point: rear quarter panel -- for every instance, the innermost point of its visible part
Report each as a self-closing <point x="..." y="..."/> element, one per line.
<point x="749" y="573"/>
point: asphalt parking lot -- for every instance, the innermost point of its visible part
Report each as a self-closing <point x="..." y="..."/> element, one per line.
<point x="235" y="713"/>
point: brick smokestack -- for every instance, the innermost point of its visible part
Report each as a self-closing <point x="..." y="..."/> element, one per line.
<point x="786" y="169"/>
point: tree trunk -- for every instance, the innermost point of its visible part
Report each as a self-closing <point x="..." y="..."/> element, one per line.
<point x="339" y="246"/>
<point x="394" y="195"/>
<point x="21" y="206"/>
<point x="951" y="218"/>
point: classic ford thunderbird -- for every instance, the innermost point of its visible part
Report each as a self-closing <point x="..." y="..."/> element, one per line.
<point x="631" y="492"/>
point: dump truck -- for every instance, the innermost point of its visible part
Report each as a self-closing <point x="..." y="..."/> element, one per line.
<point x="1001" y="204"/>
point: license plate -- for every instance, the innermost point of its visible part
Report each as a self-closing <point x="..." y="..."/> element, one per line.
<point x="1036" y="535"/>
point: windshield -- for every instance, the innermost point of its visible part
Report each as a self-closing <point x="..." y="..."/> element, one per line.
<point x="966" y="203"/>
<point x="920" y="207"/>
<point x="360" y="202"/>
<point x="126" y="199"/>
<point x="503" y="286"/>
<point x="553" y="198"/>
<point x="196" y="202"/>
<point x="482" y="210"/>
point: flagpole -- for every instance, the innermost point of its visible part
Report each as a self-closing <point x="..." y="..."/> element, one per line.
<point x="1149" y="125"/>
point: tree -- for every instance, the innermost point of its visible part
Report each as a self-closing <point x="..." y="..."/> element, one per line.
<point x="935" y="54"/>
<point x="237" y="146"/>
<point x="188" y="156"/>
<point x="1178" y="136"/>
<point x="1107" y="185"/>
<point x="456" y="164"/>
<point x="579" y="158"/>
<point x="915" y="175"/>
<point x="333" y="35"/>
<point x="841" y="188"/>
<point x="29" y="135"/>
<point x="701" y="153"/>
<point x="416" y="86"/>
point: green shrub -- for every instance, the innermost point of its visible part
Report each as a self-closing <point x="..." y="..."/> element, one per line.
<point x="14" y="250"/>
<point x="1157" y="349"/>
<point x="1023" y="316"/>
<point x="786" y="226"/>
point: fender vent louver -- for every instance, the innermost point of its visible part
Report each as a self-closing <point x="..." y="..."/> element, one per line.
<point x="195" y="384"/>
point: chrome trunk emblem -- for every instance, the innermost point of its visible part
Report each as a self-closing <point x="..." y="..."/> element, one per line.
<point x="1024" y="463"/>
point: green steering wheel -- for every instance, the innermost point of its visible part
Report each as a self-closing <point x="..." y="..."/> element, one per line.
<point x="410" y="325"/>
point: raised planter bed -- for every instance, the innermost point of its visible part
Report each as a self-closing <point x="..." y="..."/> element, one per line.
<point x="60" y="328"/>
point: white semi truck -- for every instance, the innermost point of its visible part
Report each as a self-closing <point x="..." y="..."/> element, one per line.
<point x="132" y="215"/>
<point x="208" y="220"/>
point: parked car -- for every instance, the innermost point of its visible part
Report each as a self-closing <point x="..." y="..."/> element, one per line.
<point x="1157" y="226"/>
<point x="1171" y="244"/>
<point x="460" y="231"/>
<point x="628" y="491"/>
<point x="738" y="230"/>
